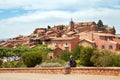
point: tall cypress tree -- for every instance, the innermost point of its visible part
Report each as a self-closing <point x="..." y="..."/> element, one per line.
<point x="100" y="23"/>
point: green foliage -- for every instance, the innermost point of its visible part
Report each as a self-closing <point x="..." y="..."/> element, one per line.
<point x="35" y="55"/>
<point x="39" y="51"/>
<point x="34" y="32"/>
<point x="65" y="56"/>
<point x="63" y="26"/>
<point x="32" y="58"/>
<point x="48" y="27"/>
<point x="6" y="52"/>
<point x="105" y="59"/>
<point x="21" y="49"/>
<point x="116" y="60"/>
<point x="11" y="64"/>
<point x="43" y="50"/>
<point x="1" y="62"/>
<point x="100" y="23"/>
<point x="85" y="55"/>
<point x="51" y="64"/>
<point x="76" y="52"/>
<point x="55" y="60"/>
<point x="78" y="62"/>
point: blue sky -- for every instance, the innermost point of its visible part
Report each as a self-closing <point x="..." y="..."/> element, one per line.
<point x="23" y="16"/>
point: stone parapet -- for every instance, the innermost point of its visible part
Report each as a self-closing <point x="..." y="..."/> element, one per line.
<point x="114" y="71"/>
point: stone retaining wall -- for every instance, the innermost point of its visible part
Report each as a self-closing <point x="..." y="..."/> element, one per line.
<point x="55" y="70"/>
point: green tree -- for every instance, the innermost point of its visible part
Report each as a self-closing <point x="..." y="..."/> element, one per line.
<point x="85" y="56"/>
<point x="34" y="32"/>
<point x="76" y="52"/>
<point x="1" y="62"/>
<point x="32" y="58"/>
<point x="12" y="64"/>
<point x="6" y="52"/>
<point x="63" y="26"/>
<point x="21" y="49"/>
<point x="43" y="49"/>
<point x="100" y="23"/>
<point x="65" y="56"/>
<point x="103" y="59"/>
<point x="48" y="27"/>
<point x="117" y="60"/>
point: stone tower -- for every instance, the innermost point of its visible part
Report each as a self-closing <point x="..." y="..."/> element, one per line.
<point x="71" y="25"/>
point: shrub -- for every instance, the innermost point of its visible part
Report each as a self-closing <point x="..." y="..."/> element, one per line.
<point x="11" y="64"/>
<point x="104" y="59"/>
<point x="56" y="64"/>
<point x="117" y="60"/>
<point x="76" y="52"/>
<point x="42" y="49"/>
<point x="85" y="56"/>
<point x="32" y="58"/>
<point x="65" y="56"/>
<point x="78" y="62"/>
<point x="19" y="50"/>
<point x="6" y="52"/>
<point x="1" y="62"/>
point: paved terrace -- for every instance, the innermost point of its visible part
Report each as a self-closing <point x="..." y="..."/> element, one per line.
<point x="39" y="76"/>
<point x="78" y="73"/>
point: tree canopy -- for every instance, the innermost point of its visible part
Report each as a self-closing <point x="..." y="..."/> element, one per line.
<point x="100" y="23"/>
<point x="65" y="55"/>
<point x="48" y="27"/>
<point x="32" y="58"/>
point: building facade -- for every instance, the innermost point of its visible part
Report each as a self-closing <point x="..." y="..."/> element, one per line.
<point x="102" y="41"/>
<point x="68" y="43"/>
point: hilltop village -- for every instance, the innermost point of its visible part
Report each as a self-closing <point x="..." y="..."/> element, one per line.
<point x="61" y="37"/>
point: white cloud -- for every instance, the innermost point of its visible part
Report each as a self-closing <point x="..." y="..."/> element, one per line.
<point x="26" y="23"/>
<point x="45" y="4"/>
<point x="55" y="12"/>
<point x="56" y="4"/>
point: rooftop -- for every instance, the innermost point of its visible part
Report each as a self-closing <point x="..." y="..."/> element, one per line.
<point x="104" y="34"/>
<point x="64" y="38"/>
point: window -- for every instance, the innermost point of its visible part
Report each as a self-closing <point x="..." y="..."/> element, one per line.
<point x="55" y="44"/>
<point x="66" y="45"/>
<point x="109" y="38"/>
<point x="102" y="47"/>
<point x="110" y="47"/>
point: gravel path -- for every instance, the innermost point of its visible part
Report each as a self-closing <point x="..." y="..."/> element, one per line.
<point x="38" y="76"/>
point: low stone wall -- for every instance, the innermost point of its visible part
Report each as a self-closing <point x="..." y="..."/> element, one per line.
<point x="96" y="71"/>
<point x="55" y="70"/>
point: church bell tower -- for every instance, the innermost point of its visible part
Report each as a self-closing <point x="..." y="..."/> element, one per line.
<point x="71" y="25"/>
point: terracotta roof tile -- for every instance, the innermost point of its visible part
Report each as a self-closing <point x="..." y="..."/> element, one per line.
<point x="64" y="38"/>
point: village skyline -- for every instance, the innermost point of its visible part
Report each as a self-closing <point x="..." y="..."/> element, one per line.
<point x="6" y="38"/>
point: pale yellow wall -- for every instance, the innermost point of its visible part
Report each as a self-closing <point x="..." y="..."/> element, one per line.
<point x="86" y="44"/>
